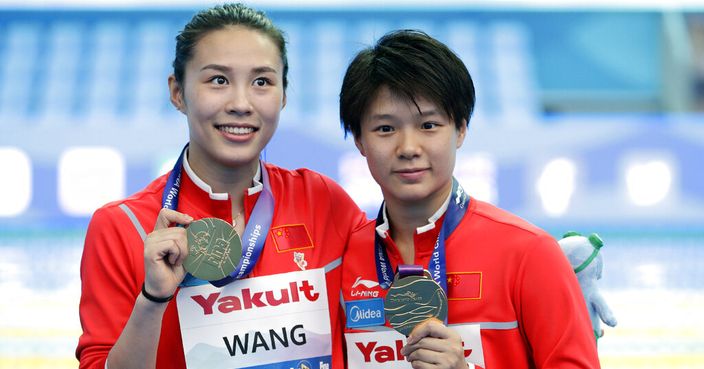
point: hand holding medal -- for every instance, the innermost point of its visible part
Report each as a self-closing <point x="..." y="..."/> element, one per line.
<point x="209" y="249"/>
<point x="416" y="303"/>
<point x="413" y="298"/>
<point x="165" y="250"/>
<point x="433" y="344"/>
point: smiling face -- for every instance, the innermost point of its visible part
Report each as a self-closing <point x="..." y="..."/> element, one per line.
<point x="410" y="151"/>
<point x="232" y="95"/>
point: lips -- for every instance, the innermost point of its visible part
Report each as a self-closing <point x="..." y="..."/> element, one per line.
<point x="410" y="170"/>
<point x="411" y="174"/>
<point x="238" y="130"/>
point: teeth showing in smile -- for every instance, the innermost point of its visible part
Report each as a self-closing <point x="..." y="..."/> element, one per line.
<point x="236" y="130"/>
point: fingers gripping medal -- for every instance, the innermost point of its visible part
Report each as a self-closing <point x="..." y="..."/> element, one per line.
<point x="413" y="298"/>
<point x="214" y="249"/>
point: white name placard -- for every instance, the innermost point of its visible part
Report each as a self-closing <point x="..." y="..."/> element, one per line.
<point x="276" y="321"/>
<point x="382" y="349"/>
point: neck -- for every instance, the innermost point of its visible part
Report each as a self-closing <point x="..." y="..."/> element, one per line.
<point x="233" y="180"/>
<point x="402" y="227"/>
<point x="406" y="216"/>
<point x="403" y="221"/>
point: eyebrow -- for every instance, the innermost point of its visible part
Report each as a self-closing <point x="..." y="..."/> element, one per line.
<point x="225" y="69"/>
<point x="429" y="112"/>
<point x="383" y="116"/>
<point x="217" y="67"/>
<point x="264" y="70"/>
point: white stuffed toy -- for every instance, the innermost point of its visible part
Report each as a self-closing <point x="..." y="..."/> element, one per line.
<point x="583" y="254"/>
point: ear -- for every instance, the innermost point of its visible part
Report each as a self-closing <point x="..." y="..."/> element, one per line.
<point x="360" y="146"/>
<point x="461" y="133"/>
<point x="176" y="94"/>
<point x="283" y="103"/>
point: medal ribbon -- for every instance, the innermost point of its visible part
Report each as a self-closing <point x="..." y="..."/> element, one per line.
<point x="254" y="233"/>
<point x="169" y="200"/>
<point x="405" y="270"/>
<point x="459" y="201"/>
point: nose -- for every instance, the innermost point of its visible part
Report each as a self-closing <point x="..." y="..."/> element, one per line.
<point x="409" y="144"/>
<point x="238" y="102"/>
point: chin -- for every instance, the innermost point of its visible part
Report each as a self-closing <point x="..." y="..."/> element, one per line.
<point x="412" y="196"/>
<point x="237" y="159"/>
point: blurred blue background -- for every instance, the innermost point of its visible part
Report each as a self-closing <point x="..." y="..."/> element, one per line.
<point x="588" y="118"/>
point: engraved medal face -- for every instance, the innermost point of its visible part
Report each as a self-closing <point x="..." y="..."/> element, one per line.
<point x="214" y="249"/>
<point x="412" y="300"/>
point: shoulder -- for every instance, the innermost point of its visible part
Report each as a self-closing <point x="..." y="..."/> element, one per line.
<point x="506" y="229"/>
<point x="500" y="218"/>
<point x="305" y="182"/>
<point x="116" y="230"/>
<point x="300" y="175"/>
<point x="308" y="192"/>
<point x="362" y="236"/>
<point x="144" y="204"/>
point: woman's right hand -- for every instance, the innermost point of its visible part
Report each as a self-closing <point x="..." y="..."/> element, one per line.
<point x="165" y="250"/>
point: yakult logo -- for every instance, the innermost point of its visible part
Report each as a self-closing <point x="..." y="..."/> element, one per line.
<point x="376" y="352"/>
<point x="249" y="299"/>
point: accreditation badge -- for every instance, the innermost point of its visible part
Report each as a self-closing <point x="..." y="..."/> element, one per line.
<point x="382" y="349"/>
<point x="277" y="321"/>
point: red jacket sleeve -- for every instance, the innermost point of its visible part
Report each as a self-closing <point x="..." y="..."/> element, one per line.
<point x="552" y="311"/>
<point x="111" y="275"/>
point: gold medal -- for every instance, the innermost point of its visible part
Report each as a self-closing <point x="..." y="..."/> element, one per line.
<point x="214" y="249"/>
<point x="412" y="300"/>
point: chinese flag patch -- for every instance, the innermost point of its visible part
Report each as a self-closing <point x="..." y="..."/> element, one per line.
<point x="464" y="286"/>
<point x="291" y="237"/>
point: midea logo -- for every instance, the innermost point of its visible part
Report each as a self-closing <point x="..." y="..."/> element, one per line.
<point x="357" y="314"/>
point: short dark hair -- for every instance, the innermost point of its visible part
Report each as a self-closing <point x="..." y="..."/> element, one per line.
<point x="410" y="63"/>
<point x="219" y="17"/>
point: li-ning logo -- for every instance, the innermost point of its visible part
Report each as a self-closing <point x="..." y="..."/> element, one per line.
<point x="364" y="283"/>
